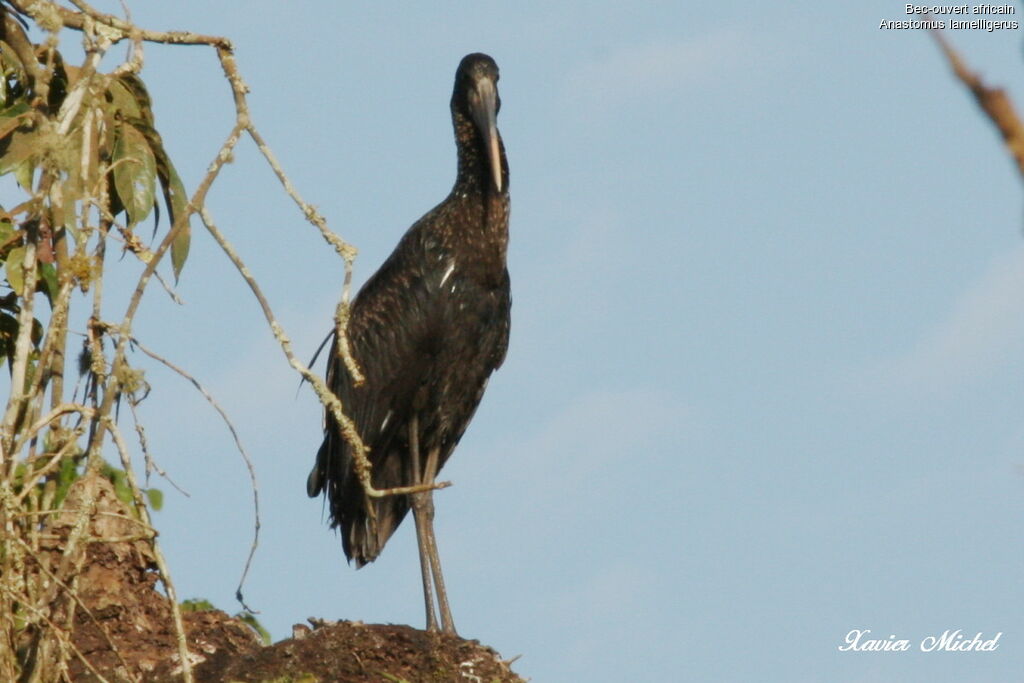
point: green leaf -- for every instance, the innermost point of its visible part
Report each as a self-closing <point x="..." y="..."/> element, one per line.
<point x="123" y="100"/>
<point x="174" y="197"/>
<point x="134" y="172"/>
<point x="174" y="193"/>
<point x="140" y="95"/>
<point x="65" y="478"/>
<point x="196" y="605"/>
<point x="122" y="490"/>
<point x="156" y="498"/>
<point x="48" y="281"/>
<point x="23" y="174"/>
<point x="16" y="269"/>
<point x="173" y="189"/>
<point x="70" y="217"/>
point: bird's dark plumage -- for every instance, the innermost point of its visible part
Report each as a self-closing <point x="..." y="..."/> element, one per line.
<point x="427" y="329"/>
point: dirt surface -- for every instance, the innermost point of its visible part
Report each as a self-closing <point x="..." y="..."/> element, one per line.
<point x="226" y="650"/>
<point x="355" y="652"/>
<point x="124" y="631"/>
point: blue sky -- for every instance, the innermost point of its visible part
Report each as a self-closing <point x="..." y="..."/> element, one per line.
<point x="764" y="379"/>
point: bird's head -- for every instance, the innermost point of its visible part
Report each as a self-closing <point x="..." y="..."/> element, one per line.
<point x="475" y="97"/>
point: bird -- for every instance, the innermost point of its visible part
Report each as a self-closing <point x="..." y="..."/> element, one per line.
<point x="427" y="329"/>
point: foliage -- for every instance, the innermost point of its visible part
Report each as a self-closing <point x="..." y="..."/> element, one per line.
<point x="196" y="605"/>
<point x="82" y="148"/>
<point x="204" y="605"/>
<point x="254" y="623"/>
<point x="99" y="151"/>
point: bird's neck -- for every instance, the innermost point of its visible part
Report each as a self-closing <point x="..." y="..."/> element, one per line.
<point x="474" y="171"/>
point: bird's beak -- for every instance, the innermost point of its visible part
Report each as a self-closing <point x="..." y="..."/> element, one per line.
<point x="483" y="105"/>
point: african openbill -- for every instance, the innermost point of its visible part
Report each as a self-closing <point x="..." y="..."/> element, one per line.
<point x="427" y="329"/>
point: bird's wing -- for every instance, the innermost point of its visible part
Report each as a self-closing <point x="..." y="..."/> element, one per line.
<point x="386" y="337"/>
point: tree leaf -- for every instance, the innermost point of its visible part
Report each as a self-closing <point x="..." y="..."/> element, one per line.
<point x="134" y="173"/>
<point x="23" y="174"/>
<point x="137" y="89"/>
<point x="16" y="269"/>
<point x="196" y="605"/>
<point x="48" y="282"/>
<point x="70" y="218"/>
<point x="123" y="100"/>
<point x="173" y="189"/>
<point x="156" y="498"/>
<point x="174" y="196"/>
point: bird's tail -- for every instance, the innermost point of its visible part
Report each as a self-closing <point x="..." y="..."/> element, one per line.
<point x="365" y="523"/>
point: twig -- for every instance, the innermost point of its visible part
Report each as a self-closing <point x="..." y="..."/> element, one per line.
<point x="151" y="464"/>
<point x="345" y="250"/>
<point x="116" y="29"/>
<point x="993" y="101"/>
<point x="60" y="410"/>
<point x="167" y="288"/>
<point x="241" y="449"/>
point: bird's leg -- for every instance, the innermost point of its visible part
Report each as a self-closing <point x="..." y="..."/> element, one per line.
<point x="447" y="624"/>
<point x="423" y="528"/>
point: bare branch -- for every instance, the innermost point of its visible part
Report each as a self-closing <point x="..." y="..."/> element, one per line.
<point x="345" y="250"/>
<point x="117" y="29"/>
<point x="993" y="101"/>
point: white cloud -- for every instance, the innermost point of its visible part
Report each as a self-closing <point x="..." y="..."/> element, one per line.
<point x="981" y="332"/>
<point x="642" y="71"/>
